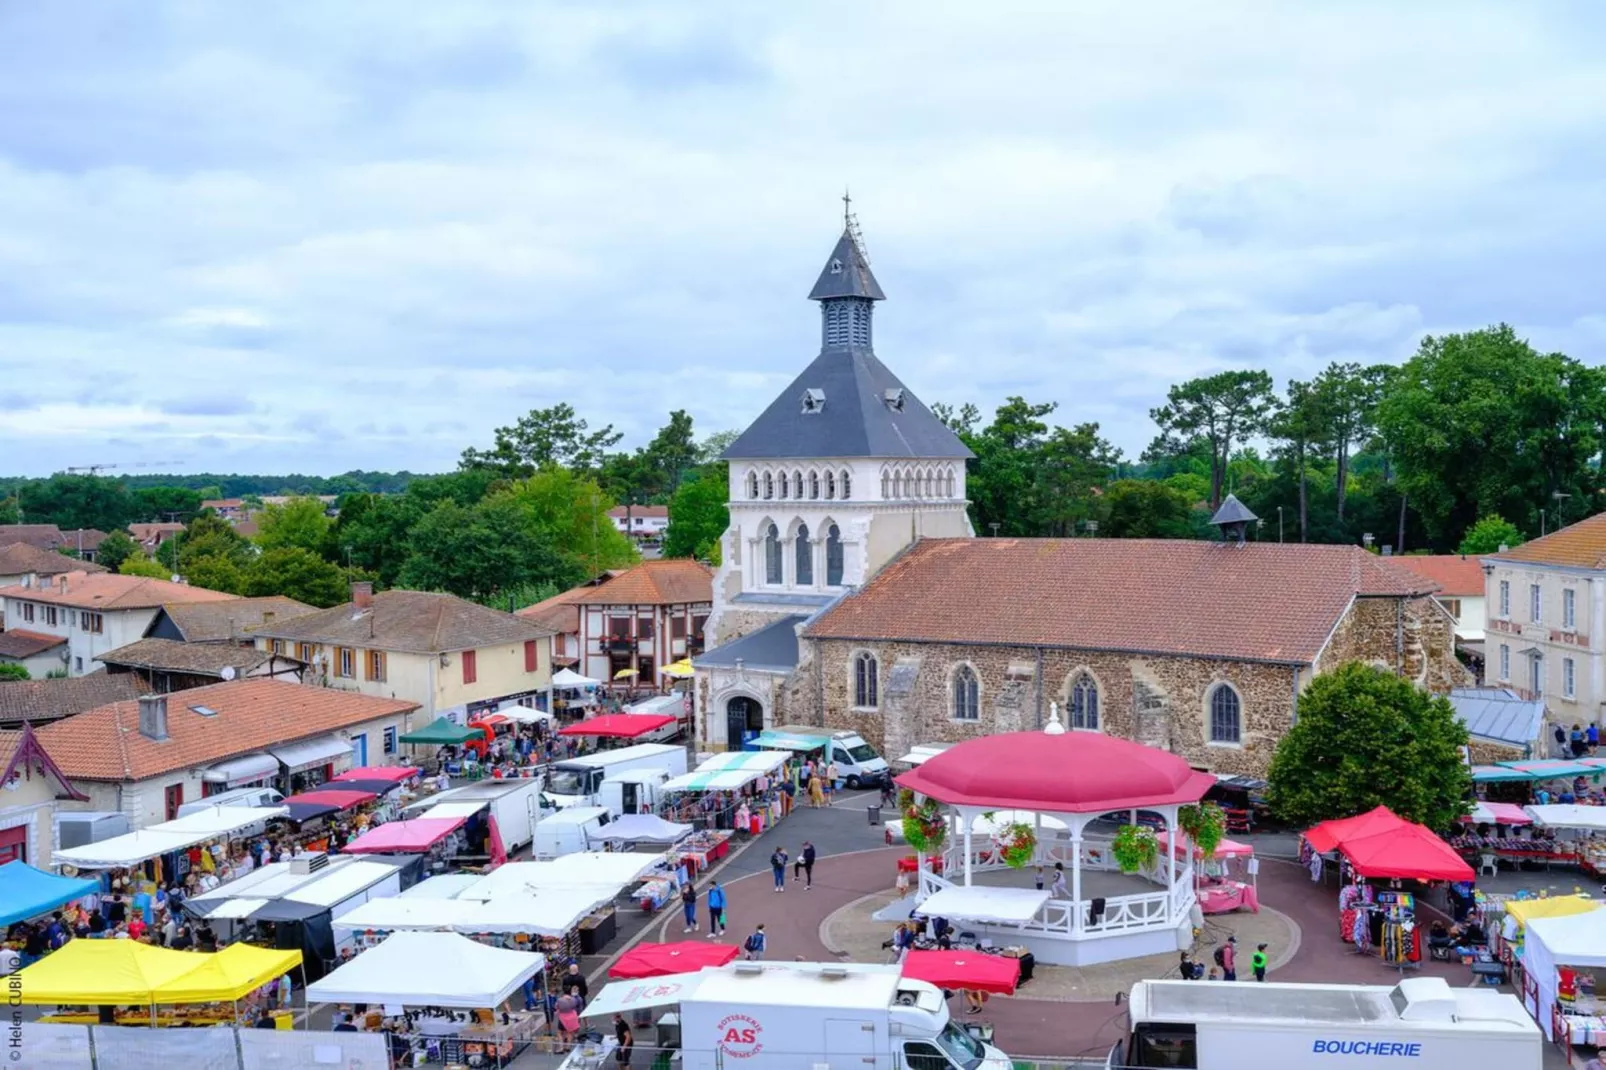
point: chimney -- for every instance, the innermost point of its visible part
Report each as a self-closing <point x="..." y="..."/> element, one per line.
<point x="362" y="594"/>
<point x="153" y="717"/>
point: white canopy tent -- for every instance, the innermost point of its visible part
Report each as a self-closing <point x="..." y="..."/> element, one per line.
<point x="995" y="821"/>
<point x="1577" y="940"/>
<point x="570" y="678"/>
<point x="319" y="750"/>
<point x="422" y="969"/>
<point x="523" y="714"/>
<point x="765" y="761"/>
<point x="134" y="847"/>
<point x="922" y="754"/>
<point x="583" y="869"/>
<point x="444" y="886"/>
<point x="552" y="912"/>
<point x="1569" y="816"/>
<point x="730" y="771"/>
<point x="646" y="828"/>
<point x="1005" y="906"/>
<point x="245" y="769"/>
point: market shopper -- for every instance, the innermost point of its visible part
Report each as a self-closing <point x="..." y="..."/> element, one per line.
<point x="806" y="856"/>
<point x="716" y="910"/>
<point x="1257" y="962"/>
<point x="1227" y="959"/>
<point x="816" y="790"/>
<point x="688" y="904"/>
<point x="756" y="944"/>
<point x="778" y="868"/>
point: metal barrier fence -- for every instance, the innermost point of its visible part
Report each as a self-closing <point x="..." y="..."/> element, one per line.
<point x="741" y="1053"/>
<point x="42" y="1046"/>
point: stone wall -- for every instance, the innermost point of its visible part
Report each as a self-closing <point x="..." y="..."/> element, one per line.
<point x="1488" y="752"/>
<point x="1414" y="637"/>
<point x="1160" y="701"/>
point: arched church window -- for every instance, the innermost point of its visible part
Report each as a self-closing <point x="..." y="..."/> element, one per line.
<point x="833" y="556"/>
<point x="797" y="484"/>
<point x="865" y="684"/>
<point x="830" y="485"/>
<point x="803" y="558"/>
<point x="897" y="484"/>
<point x="769" y="486"/>
<point x="814" y="486"/>
<point x="931" y="484"/>
<point x="752" y="484"/>
<point x="772" y="556"/>
<point x="847" y="485"/>
<point x="886" y="484"/>
<point x="967" y="694"/>
<point x="950" y="483"/>
<point x="1084" y="703"/>
<point x="1226" y="715"/>
<point x="784" y="482"/>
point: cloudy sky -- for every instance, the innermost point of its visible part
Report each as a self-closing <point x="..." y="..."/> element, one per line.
<point x="316" y="237"/>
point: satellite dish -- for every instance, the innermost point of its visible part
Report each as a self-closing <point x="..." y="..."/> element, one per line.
<point x="177" y="578"/>
<point x="228" y="672"/>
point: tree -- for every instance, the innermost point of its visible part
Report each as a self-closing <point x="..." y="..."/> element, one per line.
<point x="712" y="448"/>
<point x="1072" y="466"/>
<point x="75" y="501"/>
<point x="1300" y="429"/>
<point x="10" y="670"/>
<point x="215" y="572"/>
<point x="484" y="551"/>
<point x="552" y="436"/>
<point x="1364" y="738"/>
<point x="698" y="515"/>
<point x="1346" y="397"/>
<point x="171" y="504"/>
<point x="1481" y="423"/>
<point x="1002" y="481"/>
<point x="1145" y="509"/>
<point x="114" y="549"/>
<point x="208" y="535"/>
<point x="571" y="513"/>
<point x="140" y="565"/>
<point x="1489" y="535"/>
<point x="1222" y="409"/>
<point x="296" y="572"/>
<point x="299" y="523"/>
<point x="10" y="512"/>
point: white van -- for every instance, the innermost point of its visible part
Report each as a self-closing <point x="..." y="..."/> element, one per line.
<point x="237" y="797"/>
<point x="857" y="763"/>
<point x="577" y="781"/>
<point x="634" y="791"/>
<point x="798" y="1016"/>
<point x="664" y="706"/>
<point x="575" y="829"/>
<point x="1421" y="1022"/>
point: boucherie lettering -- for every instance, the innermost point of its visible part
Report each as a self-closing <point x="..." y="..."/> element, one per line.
<point x="1368" y="1047"/>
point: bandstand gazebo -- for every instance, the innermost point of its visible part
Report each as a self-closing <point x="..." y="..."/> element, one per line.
<point x="1090" y="784"/>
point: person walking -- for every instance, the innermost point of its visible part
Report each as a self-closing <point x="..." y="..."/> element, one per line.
<point x="1592" y="737"/>
<point x="1257" y="962"/>
<point x="1058" y="889"/>
<point x="626" y="1039"/>
<point x="1227" y="959"/>
<point x="1576" y="738"/>
<point x="830" y="783"/>
<point x="716" y="910"/>
<point x="807" y="858"/>
<point x="816" y="791"/>
<point x="1561" y="741"/>
<point x="756" y="944"/>
<point x="778" y="868"/>
<point x="688" y="904"/>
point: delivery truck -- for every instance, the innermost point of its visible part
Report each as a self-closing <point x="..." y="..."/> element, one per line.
<point x="634" y="791"/>
<point x="514" y="803"/>
<point x="673" y="705"/>
<point x="794" y="1016"/>
<point x="570" y="831"/>
<point x="576" y="781"/>
<point x="857" y="763"/>
<point x="1420" y="1023"/>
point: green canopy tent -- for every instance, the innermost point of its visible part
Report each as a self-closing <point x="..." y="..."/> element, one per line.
<point x="441" y="731"/>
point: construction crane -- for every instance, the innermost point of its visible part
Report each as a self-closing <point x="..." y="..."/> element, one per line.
<point x="96" y="469"/>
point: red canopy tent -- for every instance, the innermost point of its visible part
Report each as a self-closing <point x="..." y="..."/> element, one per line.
<point x="334" y="795"/>
<point x="660" y="960"/>
<point x="618" y="725"/>
<point x="975" y="970"/>
<point x="1379" y="843"/>
<point x="393" y="773"/>
<point x="404" y="837"/>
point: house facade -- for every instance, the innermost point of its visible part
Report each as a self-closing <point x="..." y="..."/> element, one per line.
<point x="148" y="757"/>
<point x="31" y="787"/>
<point x="165" y="665"/>
<point x="451" y="657"/>
<point x="1546" y="628"/>
<point x="643" y="523"/>
<point x="22" y="563"/>
<point x="37" y="652"/>
<point x="638" y="620"/>
<point x="95" y="612"/>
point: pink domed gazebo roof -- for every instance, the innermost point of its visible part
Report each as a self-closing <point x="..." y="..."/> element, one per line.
<point x="1072" y="772"/>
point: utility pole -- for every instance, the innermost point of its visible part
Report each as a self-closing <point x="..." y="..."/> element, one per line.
<point x="1279" y="524"/>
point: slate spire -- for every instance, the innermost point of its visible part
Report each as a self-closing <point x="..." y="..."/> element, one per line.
<point x="846" y="289"/>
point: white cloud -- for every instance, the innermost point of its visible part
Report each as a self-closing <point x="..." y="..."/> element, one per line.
<point x="375" y="238"/>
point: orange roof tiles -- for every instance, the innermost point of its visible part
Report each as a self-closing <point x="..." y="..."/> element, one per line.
<point x="620" y="512"/>
<point x="1580" y="545"/>
<point x="1255" y="602"/>
<point x="560" y="612"/>
<point x="114" y="591"/>
<point x="1456" y="575"/>
<point x="665" y="582"/>
<point x="105" y="743"/>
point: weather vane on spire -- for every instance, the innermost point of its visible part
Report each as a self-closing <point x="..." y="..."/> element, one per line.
<point x="847" y="207"/>
<point x="850" y="224"/>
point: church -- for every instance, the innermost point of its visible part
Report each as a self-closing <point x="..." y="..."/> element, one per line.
<point x="853" y="592"/>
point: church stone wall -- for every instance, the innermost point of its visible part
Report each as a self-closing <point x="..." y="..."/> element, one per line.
<point x="1414" y="637"/>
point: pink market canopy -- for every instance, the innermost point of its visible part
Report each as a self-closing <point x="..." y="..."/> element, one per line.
<point x="1070" y="772"/>
<point x="1497" y="813"/>
<point x="404" y="837"/>
<point x="618" y="725"/>
<point x="393" y="773"/>
<point x="1224" y="849"/>
<point x="1379" y="843"/>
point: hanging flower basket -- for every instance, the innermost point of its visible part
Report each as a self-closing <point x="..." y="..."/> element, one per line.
<point x="1135" y="848"/>
<point x="1017" y="845"/>
<point x="924" y="826"/>
<point x="1205" y="825"/>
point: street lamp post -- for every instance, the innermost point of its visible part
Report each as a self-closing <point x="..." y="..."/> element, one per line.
<point x="1279" y="523"/>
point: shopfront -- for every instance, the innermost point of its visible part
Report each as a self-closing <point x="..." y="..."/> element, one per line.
<point x="311" y="763"/>
<point x="246" y="771"/>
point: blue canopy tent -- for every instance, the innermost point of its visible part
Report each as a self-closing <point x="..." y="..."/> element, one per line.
<point x="26" y="892"/>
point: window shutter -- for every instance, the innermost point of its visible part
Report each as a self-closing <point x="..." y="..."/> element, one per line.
<point x="470" y="669"/>
<point x="531" y="659"/>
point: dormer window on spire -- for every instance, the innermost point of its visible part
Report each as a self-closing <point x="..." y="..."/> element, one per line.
<point x="813" y="399"/>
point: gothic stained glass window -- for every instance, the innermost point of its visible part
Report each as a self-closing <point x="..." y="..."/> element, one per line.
<point x="864" y="680"/>
<point x="1084" y="702"/>
<point x="967" y="694"/>
<point x="803" y="566"/>
<point x="1226" y="715"/>
<point x="772" y="555"/>
<point x="833" y="557"/>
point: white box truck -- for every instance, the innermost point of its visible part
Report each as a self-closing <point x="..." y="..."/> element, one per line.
<point x="634" y="791"/>
<point x="675" y="706"/>
<point x="1421" y="1023"/>
<point x="857" y="763"/>
<point x="571" y="830"/>
<point x="797" y="1016"/>
<point x="514" y="803"/>
<point x="578" y="781"/>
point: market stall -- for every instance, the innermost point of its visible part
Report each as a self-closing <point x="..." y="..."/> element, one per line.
<point x="441" y="886"/>
<point x="312" y="805"/>
<point x="660" y="960"/>
<point x="573" y="694"/>
<point x="26" y="892"/>
<point x="418" y="836"/>
<point x="1227" y="880"/>
<point x="974" y="970"/>
<point x="1381" y="846"/>
<point x="618" y="725"/>
<point x="740" y="790"/>
<point x="414" y="970"/>
<point x="168" y="837"/>
<point x="646" y="828"/>
<point x="1559" y="957"/>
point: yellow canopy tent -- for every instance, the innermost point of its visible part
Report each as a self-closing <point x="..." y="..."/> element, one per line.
<point x="624" y="674"/>
<point x="128" y="972"/>
<point x="101" y="972"/>
<point x="680" y="670"/>
<point x="228" y="975"/>
<point x="1555" y="906"/>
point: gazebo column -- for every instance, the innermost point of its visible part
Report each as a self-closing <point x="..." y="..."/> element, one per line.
<point x="1076" y="876"/>
<point x="1172" y="843"/>
<point x="965" y="816"/>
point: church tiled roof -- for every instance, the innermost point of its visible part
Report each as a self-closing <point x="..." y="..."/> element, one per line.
<point x="1264" y="602"/>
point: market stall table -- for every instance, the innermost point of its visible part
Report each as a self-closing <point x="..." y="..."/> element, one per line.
<point x="1556" y="953"/>
<point x="1224" y="898"/>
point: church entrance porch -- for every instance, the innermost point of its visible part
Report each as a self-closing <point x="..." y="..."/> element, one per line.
<point x="743" y="717"/>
